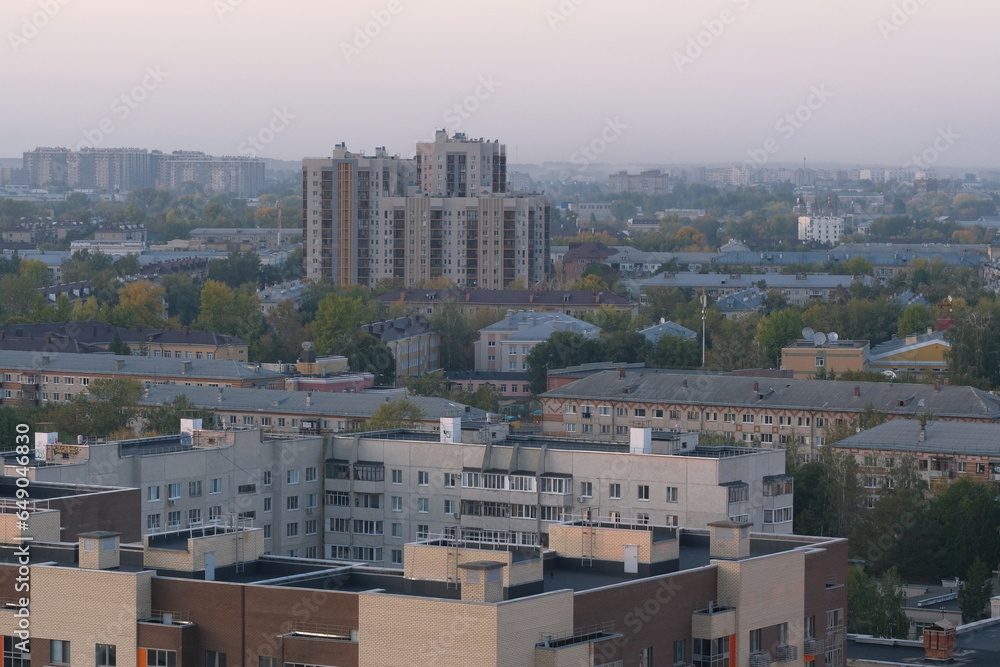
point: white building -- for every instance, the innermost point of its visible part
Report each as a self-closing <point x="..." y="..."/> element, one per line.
<point x="826" y="229"/>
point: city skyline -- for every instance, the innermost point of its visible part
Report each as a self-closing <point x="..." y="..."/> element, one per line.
<point x="732" y="81"/>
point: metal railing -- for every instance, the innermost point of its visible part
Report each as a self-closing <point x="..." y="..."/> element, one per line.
<point x="576" y="636"/>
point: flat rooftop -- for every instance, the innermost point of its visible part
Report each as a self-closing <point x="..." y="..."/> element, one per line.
<point x="976" y="648"/>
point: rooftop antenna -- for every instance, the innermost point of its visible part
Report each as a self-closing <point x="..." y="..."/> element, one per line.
<point x="819" y="338"/>
<point x="834" y="336"/>
<point x="807" y="333"/>
<point x="279" y="222"/>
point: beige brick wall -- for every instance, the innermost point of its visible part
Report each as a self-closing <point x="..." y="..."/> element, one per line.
<point x="523" y="622"/>
<point x="41" y="526"/>
<point x="103" y="609"/>
<point x="193" y="559"/>
<point x="609" y="543"/>
<point x="579" y="655"/>
<point x="421" y="561"/>
<point x="400" y="631"/>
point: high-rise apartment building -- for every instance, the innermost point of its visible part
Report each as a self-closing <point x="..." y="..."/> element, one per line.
<point x="444" y="214"/>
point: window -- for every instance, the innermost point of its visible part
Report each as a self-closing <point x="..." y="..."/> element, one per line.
<point x="604" y="411"/>
<point x="586" y="489"/>
<point x="215" y="513"/>
<point x="961" y="466"/>
<point x="570" y="428"/>
<point x="368" y="553"/>
<point x="423" y="505"/>
<point x="311" y="474"/>
<point x="711" y="416"/>
<point x="710" y="652"/>
<point x="292" y="529"/>
<point x="639" y="412"/>
<point x="292" y="503"/>
<point x="152" y="494"/>
<point x="173" y="519"/>
<point x="267" y="531"/>
<point x="173" y="491"/>
<point x="293" y="477"/>
<point x="366" y="527"/>
<point x="569" y="409"/>
<point x="804" y="421"/>
<point x="397" y="530"/>
<point x="340" y="525"/>
<point x="266" y="478"/>
<point x="449" y="507"/>
<point x="767" y="420"/>
<point x="105" y="655"/>
<point x="160" y="658"/>
<point x="820" y="362"/>
<point x="215" y="659"/>
<point x="780" y="515"/>
<point x="365" y="472"/>
<point x="643" y="492"/>
<point x="671" y="494"/>
<point x="397" y="476"/>
<point x="820" y="421"/>
<point x="552" y="513"/>
<point x="692" y="415"/>
<point x="729" y="417"/>
<point x="754" y="644"/>
<point x="642" y="518"/>
<point x="678" y="651"/>
<point x="450" y="480"/>
<point x="215" y="485"/>
<point x="246" y="488"/>
<point x="555" y="485"/>
<point x="739" y="493"/>
<point x="152" y="522"/>
<point x="423" y="478"/>
<point x="615" y="490"/>
<point x="620" y="412"/>
<point x="194" y="517"/>
<point x="194" y="489"/>
<point x="747" y="419"/>
<point x="422" y="531"/>
<point x="267" y="661"/>
<point x="396" y="503"/>
<point x="368" y="500"/>
<point x="267" y="503"/>
<point x="397" y="556"/>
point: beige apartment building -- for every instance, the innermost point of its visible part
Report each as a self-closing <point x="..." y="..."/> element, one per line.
<point x="505" y="345"/>
<point x="444" y="214"/>
<point x="478" y="483"/>
<point x="766" y="410"/>
<point x="199" y="478"/>
<point x="415" y="346"/>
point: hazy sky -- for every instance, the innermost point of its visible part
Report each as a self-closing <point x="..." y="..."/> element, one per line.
<point x="661" y="81"/>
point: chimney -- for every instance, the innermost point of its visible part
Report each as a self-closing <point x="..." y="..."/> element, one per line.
<point x="621" y="372"/>
<point x="684" y="383"/>
<point x="100" y="550"/>
<point x="937" y="385"/>
<point x="482" y="581"/>
<point x="729" y="540"/>
<point x="756" y="387"/>
<point x="923" y="430"/>
<point x="309" y="398"/>
<point x="119" y="364"/>
<point x="185" y="367"/>
<point x="187" y="330"/>
<point x="930" y="330"/>
<point x="219" y="398"/>
<point x="857" y="390"/>
<point x="940" y="640"/>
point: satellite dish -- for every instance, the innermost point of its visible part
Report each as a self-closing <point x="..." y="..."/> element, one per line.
<point x="889" y="374"/>
<point x="807" y="333"/>
<point x="819" y="338"/>
<point x="307" y="345"/>
<point x="834" y="336"/>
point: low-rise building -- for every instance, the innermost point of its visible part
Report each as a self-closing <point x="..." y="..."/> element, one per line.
<point x="822" y="228"/>
<point x="516" y="386"/>
<point x="666" y="328"/>
<point x="505" y="345"/>
<point x="943" y="450"/>
<point x="915" y="353"/>
<point x="258" y="239"/>
<point x="300" y="412"/>
<point x="799" y="289"/>
<point x="768" y="410"/>
<point x="413" y="342"/>
<point x="826" y="356"/>
<point x="575" y="303"/>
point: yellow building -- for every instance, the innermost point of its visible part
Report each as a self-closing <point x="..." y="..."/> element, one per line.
<point x="807" y="358"/>
<point x="915" y="353"/>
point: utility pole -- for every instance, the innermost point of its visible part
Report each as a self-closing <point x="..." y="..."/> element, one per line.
<point x="704" y="302"/>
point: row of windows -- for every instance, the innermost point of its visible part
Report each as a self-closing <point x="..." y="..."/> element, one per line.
<point x="587" y="411"/>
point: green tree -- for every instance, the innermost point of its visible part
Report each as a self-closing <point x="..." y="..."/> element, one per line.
<point x="676" y="352"/>
<point x="166" y="418"/>
<point x="625" y="346"/>
<point x="974" y="357"/>
<point x="977" y="589"/>
<point x="19" y="300"/>
<point x="182" y="295"/>
<point x="217" y="311"/>
<point x="776" y="331"/>
<point x="109" y="405"/>
<point x="118" y="346"/>
<point x="400" y="413"/>
<point x="428" y="384"/>
<point x="367" y="354"/>
<point x="562" y="349"/>
<point x="238" y="268"/>
<point x="735" y="345"/>
<point x="284" y="333"/>
<point x="336" y="317"/>
<point x="915" y="319"/>
<point x="876" y="608"/>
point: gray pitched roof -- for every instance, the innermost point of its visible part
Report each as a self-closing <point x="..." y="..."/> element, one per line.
<point x="668" y="328"/>
<point x="106" y="364"/>
<point x="785" y="393"/>
<point x="894" y="346"/>
<point x="361" y="405"/>
<point x="939" y="436"/>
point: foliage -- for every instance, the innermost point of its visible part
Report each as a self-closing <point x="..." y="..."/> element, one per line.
<point x="183" y="295"/>
<point x="777" y="330"/>
<point x="141" y="302"/>
<point x="166" y="418"/>
<point x="977" y="589"/>
<point x="876" y="608"/>
<point x="283" y="334"/>
<point x="238" y="268"/>
<point x="827" y="495"/>
<point x="735" y="345"/>
<point x="118" y="346"/>
<point x="367" y="354"/>
<point x="108" y="405"/>
<point x="974" y="357"/>
<point x="338" y="316"/>
<point x="868" y="418"/>
<point x="400" y="413"/>
<point x="676" y="352"/>
<point x="562" y="349"/>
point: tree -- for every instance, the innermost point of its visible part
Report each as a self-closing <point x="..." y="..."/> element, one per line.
<point x="218" y="308"/>
<point x="735" y="345"/>
<point x="401" y="413"/>
<point x="367" y="354"/>
<point x="238" y="268"/>
<point x="776" y="331"/>
<point x="876" y="608"/>
<point x="625" y="346"/>
<point x="428" y="384"/>
<point x="166" y="418"/>
<point x="676" y="352"/>
<point x="108" y="405"/>
<point x="974" y="598"/>
<point x="118" y="346"/>
<point x="974" y="357"/>
<point x="827" y="495"/>
<point x="19" y="300"/>
<point x="284" y="334"/>
<point x="336" y="317"/>
<point x="182" y="295"/>
<point x="143" y="302"/>
<point x="562" y="349"/>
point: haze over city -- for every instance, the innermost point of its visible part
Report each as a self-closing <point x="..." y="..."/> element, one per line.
<point x="851" y="82"/>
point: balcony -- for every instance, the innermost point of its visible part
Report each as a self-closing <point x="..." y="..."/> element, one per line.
<point x="786" y="652"/>
<point x="812" y="646"/>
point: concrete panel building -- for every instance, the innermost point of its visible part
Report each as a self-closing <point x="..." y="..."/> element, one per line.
<point x="505" y="345"/>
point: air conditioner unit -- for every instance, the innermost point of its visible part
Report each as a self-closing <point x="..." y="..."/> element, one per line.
<point x="580" y="499"/>
<point x="458" y="515"/>
<point x="170" y="503"/>
<point x="309" y="510"/>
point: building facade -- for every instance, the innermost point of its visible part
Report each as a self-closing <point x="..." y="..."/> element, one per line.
<point x="414" y="344"/>
<point x="807" y="358"/>
<point x="366" y="218"/>
<point x="825" y="229"/>
<point x="505" y="345"/>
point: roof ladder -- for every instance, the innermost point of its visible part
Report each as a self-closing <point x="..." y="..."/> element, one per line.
<point x="589" y="541"/>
